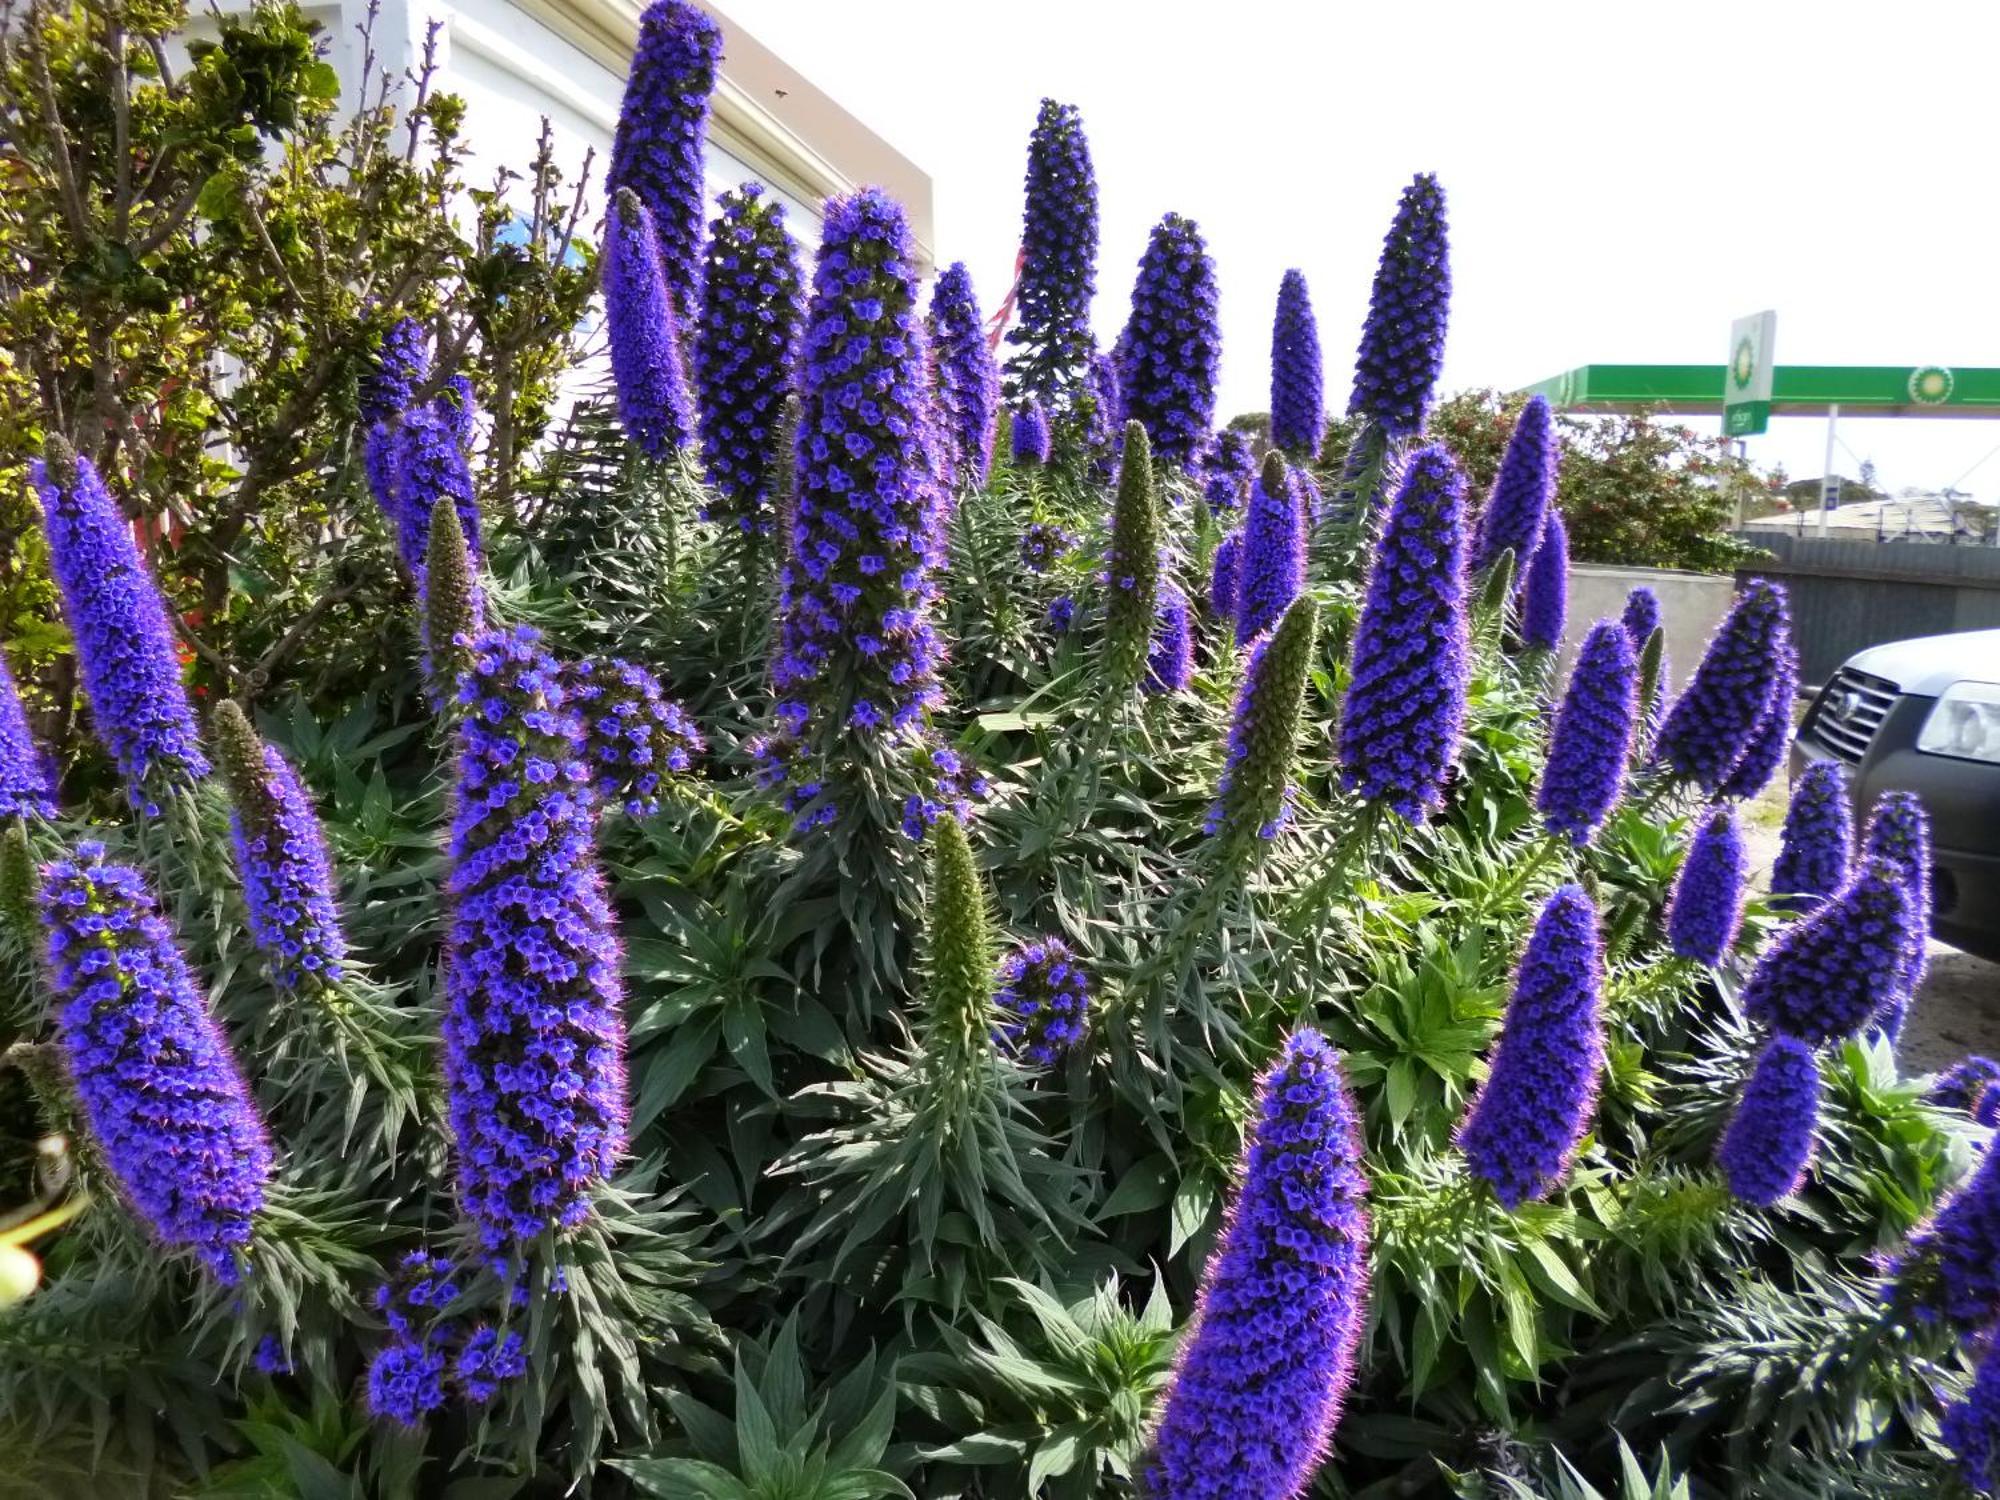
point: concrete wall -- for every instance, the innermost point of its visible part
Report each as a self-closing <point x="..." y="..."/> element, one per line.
<point x="1691" y="606"/>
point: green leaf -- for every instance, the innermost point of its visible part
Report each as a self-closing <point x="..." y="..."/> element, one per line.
<point x="1056" y="1456"/>
<point x="1144" y="1186"/>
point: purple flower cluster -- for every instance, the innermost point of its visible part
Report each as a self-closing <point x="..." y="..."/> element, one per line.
<point x="1769" y="1141"/>
<point x="1402" y="343"/>
<point x="1966" y="1085"/>
<point x="855" y="635"/>
<point x="1031" y="435"/>
<point x="1593" y="736"/>
<point x="27" y="785"/>
<point x="533" y="1037"/>
<point x="1825" y="976"/>
<point x="1058" y="262"/>
<point x="1712" y="723"/>
<point x="1043" y="1001"/>
<point x="1271" y="568"/>
<point x="1061" y="614"/>
<point x="389" y="386"/>
<point x="124" y="636"/>
<point x="430" y="466"/>
<point x="287" y="878"/>
<point x="745" y="342"/>
<point x="1524" y="489"/>
<point x="654" y="406"/>
<point x="1043" y="543"/>
<point x="1228" y="465"/>
<point x="1816" y="844"/>
<point x="1707" y="907"/>
<point x="1298" y="388"/>
<point x="968" y="382"/>
<point x="1899" y="835"/>
<point x="1170" y="660"/>
<point x="152" y="1069"/>
<point x="1971" y="1428"/>
<point x="1176" y="348"/>
<point x="1541" y="1083"/>
<point x="634" y="735"/>
<point x="656" y="150"/>
<point x="429" y="1353"/>
<point x="1952" y="1260"/>
<point x="1773" y="736"/>
<point x="1406" y="699"/>
<point x="1265" y="1366"/>
<point x="1222" y="581"/>
<point x="1545" y="589"/>
<point x="1106" y="434"/>
<point x="1641" y="618"/>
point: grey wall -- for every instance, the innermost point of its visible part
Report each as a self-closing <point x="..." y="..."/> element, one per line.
<point x="1847" y="596"/>
<point x="1691" y="606"/>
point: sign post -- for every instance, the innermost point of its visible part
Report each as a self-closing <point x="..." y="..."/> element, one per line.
<point x="1746" y="379"/>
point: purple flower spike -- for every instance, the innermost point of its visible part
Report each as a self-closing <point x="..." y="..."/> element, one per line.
<point x="1963" y="1084"/>
<point x="1707" y="907"/>
<point x="653" y="402"/>
<point x="1769" y="1143"/>
<point x="1176" y="349"/>
<point x="745" y="343"/>
<point x="27" y="789"/>
<point x="1031" y="435"/>
<point x="1402" y="343"/>
<point x="1107" y="418"/>
<point x="534" y="1039"/>
<point x="635" y="737"/>
<point x="124" y="636"/>
<point x="856" y="647"/>
<point x="1298" y="388"/>
<point x="1545" y="591"/>
<point x="1827" y="975"/>
<point x="1593" y="736"/>
<point x="430" y="466"/>
<point x="152" y="1069"/>
<point x="1272" y="566"/>
<point x="1043" y="1002"/>
<point x="1058" y="264"/>
<point x="968" y="382"/>
<point x="1523" y="491"/>
<point x="1971" y="1428"/>
<point x="1265" y="1366"/>
<point x="1773" y="737"/>
<point x="389" y="387"/>
<point x="1228" y="467"/>
<point x="1816" y="845"/>
<point x="1951" y="1263"/>
<point x="1170" y="663"/>
<point x="1713" y="721"/>
<point x="1541" y="1083"/>
<point x="656" y="150"/>
<point x="287" y="879"/>
<point x="1222" y="592"/>
<point x="1899" y="834"/>
<point x="1406" y="700"/>
<point x="1642" y="617"/>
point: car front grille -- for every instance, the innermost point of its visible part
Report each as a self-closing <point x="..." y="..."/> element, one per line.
<point x="1850" y="711"/>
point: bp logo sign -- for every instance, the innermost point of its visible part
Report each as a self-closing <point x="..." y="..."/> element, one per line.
<point x="1930" y="385"/>
<point x="1743" y="363"/>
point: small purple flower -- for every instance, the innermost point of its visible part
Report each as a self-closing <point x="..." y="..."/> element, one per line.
<point x="152" y="1069"/>
<point x="1769" y="1142"/>
<point x="487" y="1360"/>
<point x="1061" y="614"/>
<point x="1043" y="1001"/>
<point x="1043" y="544"/>
<point x="653" y="401"/>
<point x="1524" y="489"/>
<point x="1298" y="388"/>
<point x="405" y="1382"/>
<point x="635" y="737"/>
<point x="1951" y="1263"/>
<point x="1592" y="738"/>
<point x="1176" y="346"/>
<point x="1058" y="263"/>
<point x="270" y="1357"/>
<point x="1031" y="435"/>
<point x="1716" y="716"/>
<point x="1707" y="907"/>
<point x="1816" y="845"/>
<point x="1272" y="565"/>
<point x="1545" y="590"/>
<point x="1971" y="1428"/>
<point x="1402" y="343"/>
<point x="1824" y="977"/>
<point x="1540" y="1092"/>
<point x="1265" y="1365"/>
<point x="968" y="382"/>
<point x="124" y="636"/>
<point x="1406" y="700"/>
<point x="1170" y="662"/>
<point x="1222" y="595"/>
<point x="27" y="789"/>
<point x="1228" y="467"/>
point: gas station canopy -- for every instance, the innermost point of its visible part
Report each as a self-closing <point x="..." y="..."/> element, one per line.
<point x="1796" y="390"/>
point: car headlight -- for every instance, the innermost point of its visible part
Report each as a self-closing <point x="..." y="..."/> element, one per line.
<point x="1965" y="722"/>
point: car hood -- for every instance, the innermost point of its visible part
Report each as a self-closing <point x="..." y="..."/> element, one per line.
<point x="1929" y="664"/>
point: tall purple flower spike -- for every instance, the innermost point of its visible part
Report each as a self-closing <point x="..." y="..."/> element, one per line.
<point x="1298" y="386"/>
<point x="1971" y="1427"/>
<point x="1545" y="590"/>
<point x="534" y="1036"/>
<point x="1406" y="700"/>
<point x="1265" y="1366"/>
<point x="1899" y="834"/>
<point x="287" y="878"/>
<point x="1043" y="1001"/>
<point x="1523" y="491"/>
<point x="1769" y="1141"/>
<point x="1712" y="723"/>
<point x="1222" y="585"/>
<point x="1402" y="343"/>
<point x="654" y="405"/>
<point x="1540" y="1093"/>
<point x="1170" y="661"/>
<point x="1824" y="977"/>
<point x="27" y="789"/>
<point x="1773" y="737"/>
<point x="968" y="382"/>
<point x="1058" y="264"/>
<point x="1593" y="736"/>
<point x="1816" y="844"/>
<point x="1228" y="467"/>
<point x="1176" y="345"/>
<point x="1707" y="907"/>
<point x="1031" y="435"/>
<point x="1951" y="1263"/>
<point x="1271" y="568"/>
<point x="152" y="1069"/>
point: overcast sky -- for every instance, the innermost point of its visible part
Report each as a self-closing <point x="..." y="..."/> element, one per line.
<point x="1622" y="180"/>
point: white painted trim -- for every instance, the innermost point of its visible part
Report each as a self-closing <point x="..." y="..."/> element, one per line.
<point x="533" y="71"/>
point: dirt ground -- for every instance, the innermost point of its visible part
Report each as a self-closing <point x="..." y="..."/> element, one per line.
<point x="1959" y="1009"/>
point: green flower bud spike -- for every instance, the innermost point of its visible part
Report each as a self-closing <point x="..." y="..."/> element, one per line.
<point x="1133" y="573"/>
<point x="958" y="995"/>
<point x="1254" y="800"/>
<point x="452" y="606"/>
<point x="20" y="887"/>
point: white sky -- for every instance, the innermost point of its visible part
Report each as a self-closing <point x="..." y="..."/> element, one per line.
<point x="1623" y="180"/>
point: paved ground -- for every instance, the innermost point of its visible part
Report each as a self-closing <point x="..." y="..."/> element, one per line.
<point x="1959" y="1009"/>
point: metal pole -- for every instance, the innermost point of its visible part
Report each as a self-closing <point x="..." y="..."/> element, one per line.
<point x="1829" y="487"/>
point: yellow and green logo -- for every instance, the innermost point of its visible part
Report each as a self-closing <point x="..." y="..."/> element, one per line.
<point x="1930" y="385"/>
<point x="1743" y="364"/>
